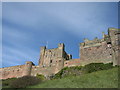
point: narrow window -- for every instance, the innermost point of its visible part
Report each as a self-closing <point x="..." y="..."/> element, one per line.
<point x="50" y="61"/>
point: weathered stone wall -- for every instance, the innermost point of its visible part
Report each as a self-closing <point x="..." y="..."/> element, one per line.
<point x="46" y="71"/>
<point x="53" y="58"/>
<point x="72" y="62"/>
<point x="10" y="72"/>
<point x="99" y="52"/>
<point x="16" y="71"/>
<point x="49" y="57"/>
<point x="115" y="41"/>
<point x="79" y="62"/>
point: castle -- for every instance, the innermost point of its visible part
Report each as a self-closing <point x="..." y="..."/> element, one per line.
<point x="105" y="50"/>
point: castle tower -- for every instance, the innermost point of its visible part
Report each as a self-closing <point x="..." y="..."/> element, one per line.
<point x="53" y="58"/>
<point x="60" y="58"/>
<point x="49" y="57"/>
<point x="115" y="41"/>
<point x="27" y="68"/>
<point x="61" y="47"/>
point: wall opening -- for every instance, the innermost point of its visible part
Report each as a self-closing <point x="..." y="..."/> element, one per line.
<point x="108" y="42"/>
<point x="50" y="61"/>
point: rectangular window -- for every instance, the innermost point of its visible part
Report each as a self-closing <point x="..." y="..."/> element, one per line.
<point x="50" y="61"/>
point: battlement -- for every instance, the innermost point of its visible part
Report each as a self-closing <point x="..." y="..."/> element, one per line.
<point x="116" y="29"/>
<point x="91" y="43"/>
<point x="112" y="32"/>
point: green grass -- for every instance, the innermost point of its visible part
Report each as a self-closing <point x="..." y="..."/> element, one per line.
<point x="99" y="79"/>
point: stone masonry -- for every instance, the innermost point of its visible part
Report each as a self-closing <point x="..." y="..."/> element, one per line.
<point x="105" y="50"/>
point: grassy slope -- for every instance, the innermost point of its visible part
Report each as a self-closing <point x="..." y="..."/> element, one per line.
<point x="100" y="79"/>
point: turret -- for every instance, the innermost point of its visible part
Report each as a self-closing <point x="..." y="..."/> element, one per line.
<point x="61" y="46"/>
<point x="42" y="48"/>
<point x="42" y="53"/>
<point x="27" y="68"/>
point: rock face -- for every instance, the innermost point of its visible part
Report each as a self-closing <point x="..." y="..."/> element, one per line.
<point x="51" y="61"/>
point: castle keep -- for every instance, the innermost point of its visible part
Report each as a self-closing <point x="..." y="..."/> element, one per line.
<point x="105" y="50"/>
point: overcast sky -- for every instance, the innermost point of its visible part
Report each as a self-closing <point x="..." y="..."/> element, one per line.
<point x="28" y="26"/>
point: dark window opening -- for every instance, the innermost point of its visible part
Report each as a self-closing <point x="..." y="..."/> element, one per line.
<point x="108" y="42"/>
<point x="117" y="33"/>
<point x="43" y="66"/>
<point x="50" y="61"/>
<point x="65" y="63"/>
<point x="59" y="60"/>
<point x="110" y="54"/>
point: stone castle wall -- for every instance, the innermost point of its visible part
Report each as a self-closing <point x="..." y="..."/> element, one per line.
<point x="46" y="71"/>
<point x="72" y="62"/>
<point x="16" y="71"/>
<point x="114" y="35"/>
<point x="99" y="52"/>
<point x="11" y="72"/>
<point x="51" y="61"/>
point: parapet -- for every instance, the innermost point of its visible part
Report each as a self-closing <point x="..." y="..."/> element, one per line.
<point x="90" y="43"/>
<point x="113" y="31"/>
<point x="61" y="45"/>
<point x="109" y="29"/>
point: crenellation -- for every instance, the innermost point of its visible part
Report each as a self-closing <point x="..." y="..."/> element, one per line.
<point x="105" y="50"/>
